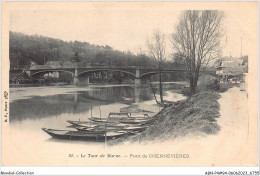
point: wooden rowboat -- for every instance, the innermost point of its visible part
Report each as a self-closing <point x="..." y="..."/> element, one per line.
<point x="83" y="135"/>
<point x="121" y="120"/>
<point x="127" y="128"/>
<point x="100" y="128"/>
<point x="79" y="123"/>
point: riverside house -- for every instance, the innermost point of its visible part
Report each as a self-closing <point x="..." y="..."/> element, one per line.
<point x="230" y="70"/>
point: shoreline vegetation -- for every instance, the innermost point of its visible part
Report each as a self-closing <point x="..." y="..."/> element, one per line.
<point x="195" y="116"/>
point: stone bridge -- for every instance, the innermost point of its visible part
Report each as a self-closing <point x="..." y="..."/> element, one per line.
<point x="78" y="73"/>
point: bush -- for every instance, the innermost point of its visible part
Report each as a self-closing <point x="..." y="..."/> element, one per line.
<point x="213" y="85"/>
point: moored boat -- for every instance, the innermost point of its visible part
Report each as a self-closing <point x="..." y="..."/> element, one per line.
<point x="84" y="135"/>
<point x="128" y="128"/>
<point x="115" y="115"/>
<point x="101" y="128"/>
<point x="123" y="118"/>
<point x="79" y="123"/>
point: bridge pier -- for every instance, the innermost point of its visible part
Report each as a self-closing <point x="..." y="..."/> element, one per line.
<point x="137" y="82"/>
<point x="81" y="81"/>
<point x="137" y="93"/>
<point x="84" y="80"/>
<point x="75" y="77"/>
<point x="87" y="80"/>
<point x="137" y="78"/>
<point x="75" y="80"/>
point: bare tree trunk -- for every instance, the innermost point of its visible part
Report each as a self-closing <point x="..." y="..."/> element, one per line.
<point x="193" y="83"/>
<point x="193" y="88"/>
<point x="197" y="40"/>
<point x="157" y="51"/>
<point x="154" y="93"/>
<point x="160" y="87"/>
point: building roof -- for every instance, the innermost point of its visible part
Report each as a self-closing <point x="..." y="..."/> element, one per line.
<point x="34" y="63"/>
<point x="36" y="67"/>
<point x="229" y="63"/>
<point x="69" y="64"/>
<point x="229" y="72"/>
<point x="230" y="66"/>
<point x="54" y="64"/>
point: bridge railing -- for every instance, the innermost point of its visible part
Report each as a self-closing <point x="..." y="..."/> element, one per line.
<point x="92" y="67"/>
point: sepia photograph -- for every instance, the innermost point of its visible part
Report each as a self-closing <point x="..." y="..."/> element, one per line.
<point x="129" y="84"/>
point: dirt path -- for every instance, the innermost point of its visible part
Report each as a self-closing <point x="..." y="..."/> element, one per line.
<point x="233" y="145"/>
<point x="233" y="138"/>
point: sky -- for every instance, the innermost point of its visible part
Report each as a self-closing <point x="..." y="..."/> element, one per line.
<point x="124" y="26"/>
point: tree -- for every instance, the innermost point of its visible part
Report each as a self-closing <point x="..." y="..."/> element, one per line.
<point x="156" y="48"/>
<point x="24" y="49"/>
<point x="197" y="41"/>
<point x="76" y="57"/>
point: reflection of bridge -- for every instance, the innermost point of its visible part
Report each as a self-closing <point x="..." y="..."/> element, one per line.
<point x="80" y="73"/>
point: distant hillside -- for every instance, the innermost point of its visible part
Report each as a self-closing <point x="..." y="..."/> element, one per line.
<point x="24" y="49"/>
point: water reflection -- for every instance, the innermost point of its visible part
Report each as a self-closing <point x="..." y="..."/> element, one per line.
<point x="137" y="93"/>
<point x="79" y="102"/>
<point x="74" y="103"/>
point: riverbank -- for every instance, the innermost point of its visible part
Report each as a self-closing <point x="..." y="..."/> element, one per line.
<point x="195" y="116"/>
<point x="235" y="144"/>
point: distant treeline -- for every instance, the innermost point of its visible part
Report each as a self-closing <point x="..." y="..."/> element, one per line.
<point x="25" y="49"/>
<point x="39" y="49"/>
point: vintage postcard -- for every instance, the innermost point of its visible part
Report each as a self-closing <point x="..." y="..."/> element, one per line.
<point x="129" y="84"/>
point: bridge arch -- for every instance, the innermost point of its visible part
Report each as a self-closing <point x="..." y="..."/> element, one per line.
<point x="148" y="74"/>
<point x="17" y="76"/>
<point x="211" y="73"/>
<point x="154" y="73"/>
<point x="48" y="71"/>
<point x="99" y="70"/>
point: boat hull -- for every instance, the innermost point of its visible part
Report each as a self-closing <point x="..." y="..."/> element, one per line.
<point x="81" y="135"/>
<point x="124" y="121"/>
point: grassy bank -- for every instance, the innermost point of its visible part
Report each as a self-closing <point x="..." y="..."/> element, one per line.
<point x="194" y="116"/>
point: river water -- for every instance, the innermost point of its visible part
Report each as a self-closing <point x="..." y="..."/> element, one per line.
<point x="32" y="108"/>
